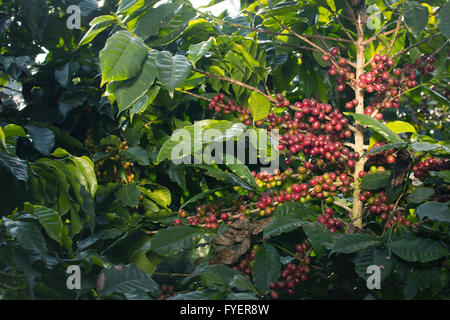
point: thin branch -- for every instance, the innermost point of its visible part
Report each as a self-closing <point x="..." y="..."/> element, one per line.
<point x="177" y="274"/>
<point x="301" y="37"/>
<point x="295" y="46"/>
<point x="343" y="206"/>
<point x="12" y="89"/>
<point x="236" y="82"/>
<point x="416" y="44"/>
<point x="350" y="11"/>
<point x="341" y="24"/>
<point x="397" y="28"/>
<point x="439" y="49"/>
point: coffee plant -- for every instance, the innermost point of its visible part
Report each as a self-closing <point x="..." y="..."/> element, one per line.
<point x="112" y="139"/>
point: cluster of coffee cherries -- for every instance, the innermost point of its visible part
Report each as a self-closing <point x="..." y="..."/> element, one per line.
<point x="376" y="204"/>
<point x="218" y="104"/>
<point x="212" y="215"/>
<point x="166" y="292"/>
<point x="381" y="157"/>
<point x="421" y="170"/>
<point x="293" y="274"/>
<point x="331" y="223"/>
<point x="206" y="215"/>
<point x="342" y="71"/>
<point x="266" y="181"/>
<point x="402" y="79"/>
<point x="245" y="264"/>
<point x="396" y="220"/>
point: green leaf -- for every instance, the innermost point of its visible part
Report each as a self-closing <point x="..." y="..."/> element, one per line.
<point x="191" y="139"/>
<point x="122" y="57"/>
<point x="281" y="225"/>
<point x="43" y="139"/>
<point x="444" y="17"/>
<point x="225" y="276"/>
<point x="401" y="126"/>
<point x="158" y="194"/>
<point x="292" y="209"/>
<point x="177" y="174"/>
<point x="389" y="146"/>
<point x="436" y="211"/>
<point x="242" y="171"/>
<point x="60" y="153"/>
<point x="125" y="5"/>
<point x="197" y="51"/>
<point x="266" y="266"/>
<point x="36" y="15"/>
<point x="88" y="207"/>
<point x="172" y="70"/>
<point x="375" y="180"/>
<point x="138" y="255"/>
<point x="64" y="74"/>
<point x="418" y="250"/>
<point x="174" y="239"/>
<point x="174" y="28"/>
<point x="416" y="17"/>
<point x="226" y="177"/>
<point x="375" y="256"/>
<point x="50" y="220"/>
<point x="320" y="238"/>
<point x="443" y="174"/>
<point x="150" y="23"/>
<point x="94" y="30"/>
<point x="199" y="196"/>
<point x="424" y="146"/>
<point x="130" y="92"/>
<point x="14" y="130"/>
<point x="86" y="173"/>
<point x="141" y="105"/>
<point x="350" y="243"/>
<point x="138" y="154"/>
<point x="16" y="166"/>
<point x="259" y="106"/>
<point x="420" y="195"/>
<point x="130" y="281"/>
<point x="377" y="126"/>
<point x="129" y="194"/>
<point x="27" y="234"/>
<point x="2" y="138"/>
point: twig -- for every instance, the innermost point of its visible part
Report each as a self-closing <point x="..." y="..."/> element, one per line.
<point x="416" y="44"/>
<point x="397" y="28"/>
<point x="343" y="206"/>
<point x="341" y="24"/>
<point x="236" y="82"/>
<point x="12" y="89"/>
<point x="439" y="49"/>
<point x="177" y="274"/>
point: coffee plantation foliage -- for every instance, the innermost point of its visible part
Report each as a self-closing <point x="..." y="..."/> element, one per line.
<point x="357" y="91"/>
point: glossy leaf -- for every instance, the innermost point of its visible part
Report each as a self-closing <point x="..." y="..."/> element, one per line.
<point x="122" y="57"/>
<point x="266" y="266"/>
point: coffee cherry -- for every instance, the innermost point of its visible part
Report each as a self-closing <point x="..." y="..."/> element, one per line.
<point x="274" y="295"/>
<point x="334" y="51"/>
